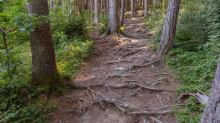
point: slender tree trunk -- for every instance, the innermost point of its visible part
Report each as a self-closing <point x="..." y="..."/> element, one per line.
<point x="113" y="17"/>
<point x="122" y="12"/>
<point x="44" y="66"/>
<point x="145" y="8"/>
<point x="132" y="8"/>
<point x="102" y="7"/>
<point x="91" y="3"/>
<point x="141" y="2"/>
<point x="51" y="3"/>
<point x="96" y="23"/>
<point x="6" y="50"/>
<point x="107" y="6"/>
<point x="211" y="113"/>
<point x="169" y="29"/>
<point x="126" y="5"/>
<point x="83" y="5"/>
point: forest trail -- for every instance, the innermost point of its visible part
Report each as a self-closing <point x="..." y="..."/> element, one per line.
<point x="124" y="81"/>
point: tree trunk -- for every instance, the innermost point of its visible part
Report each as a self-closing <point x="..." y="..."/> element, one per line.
<point x="169" y="29"/>
<point x="132" y="8"/>
<point x="102" y="7"/>
<point x="96" y="23"/>
<point x="113" y="17"/>
<point x="83" y="5"/>
<point x="44" y="66"/>
<point x="91" y="3"/>
<point x="211" y="113"/>
<point x="51" y="3"/>
<point x="145" y="8"/>
<point x="141" y="2"/>
<point x="126" y="4"/>
<point x="122" y="12"/>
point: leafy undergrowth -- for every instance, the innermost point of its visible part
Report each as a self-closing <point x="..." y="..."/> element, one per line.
<point x="195" y="51"/>
<point x="20" y="102"/>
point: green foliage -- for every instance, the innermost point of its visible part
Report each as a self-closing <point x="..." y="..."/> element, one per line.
<point x="192" y="112"/>
<point x="104" y="25"/>
<point x="18" y="98"/>
<point x="195" y="51"/>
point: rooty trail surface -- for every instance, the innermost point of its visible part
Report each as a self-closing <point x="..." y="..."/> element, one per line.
<point x="124" y="81"/>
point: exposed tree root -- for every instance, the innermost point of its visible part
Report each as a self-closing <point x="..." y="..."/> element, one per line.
<point x="159" y="100"/>
<point x="117" y="103"/>
<point x="111" y="76"/>
<point x="201" y="98"/>
<point x="116" y="86"/>
<point x="133" y="66"/>
<point x="135" y="93"/>
<point x="129" y="53"/>
<point x="151" y="112"/>
<point x="155" y="119"/>
<point x="167" y="106"/>
<point x="159" y="74"/>
<point x="160" y="79"/>
<point x="146" y="59"/>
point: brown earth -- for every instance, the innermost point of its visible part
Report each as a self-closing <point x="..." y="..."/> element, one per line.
<point x="116" y="84"/>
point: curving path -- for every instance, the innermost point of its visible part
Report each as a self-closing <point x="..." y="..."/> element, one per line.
<point x="124" y="81"/>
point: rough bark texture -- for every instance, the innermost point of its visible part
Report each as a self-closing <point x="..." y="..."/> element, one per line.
<point x="211" y="113"/>
<point x="169" y="29"/>
<point x="113" y="17"/>
<point x="145" y="8"/>
<point x="42" y="48"/>
<point x="96" y="13"/>
<point x="122" y="12"/>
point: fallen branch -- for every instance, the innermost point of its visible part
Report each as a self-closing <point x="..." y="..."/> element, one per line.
<point x="201" y="98"/>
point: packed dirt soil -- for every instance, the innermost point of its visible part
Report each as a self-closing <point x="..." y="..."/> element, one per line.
<point x="124" y="81"/>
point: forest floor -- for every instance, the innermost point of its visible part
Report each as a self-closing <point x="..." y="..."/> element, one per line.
<point x="124" y="81"/>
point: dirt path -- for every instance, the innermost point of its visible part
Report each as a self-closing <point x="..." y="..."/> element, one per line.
<point x="122" y="82"/>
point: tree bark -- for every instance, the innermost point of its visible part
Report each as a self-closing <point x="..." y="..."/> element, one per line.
<point x="44" y="66"/>
<point x="102" y="7"/>
<point x="132" y="8"/>
<point x="169" y="29"/>
<point x="211" y="113"/>
<point x="141" y="3"/>
<point x="91" y="3"/>
<point x="122" y="12"/>
<point x="96" y="23"/>
<point x="113" y="17"/>
<point x="83" y="5"/>
<point x="145" y="8"/>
